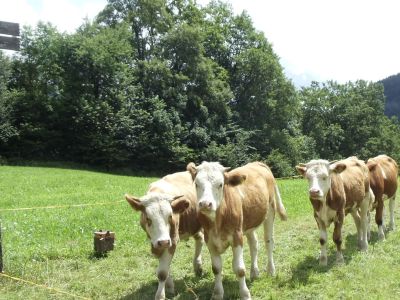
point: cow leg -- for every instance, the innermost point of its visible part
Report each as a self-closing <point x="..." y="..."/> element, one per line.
<point x="369" y="227"/>
<point x="337" y="237"/>
<point x="379" y="216"/>
<point x="163" y="274"/>
<point x="197" y="262"/>
<point x="269" y="239"/>
<point x="169" y="285"/>
<point x="370" y="206"/>
<point x="253" y="245"/>
<point x="357" y="221"/>
<point x="240" y="270"/>
<point x="364" y="223"/>
<point x="323" y="258"/>
<point x="391" y="210"/>
<point x="216" y="261"/>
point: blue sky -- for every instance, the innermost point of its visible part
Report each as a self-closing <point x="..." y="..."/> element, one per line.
<point x="341" y="40"/>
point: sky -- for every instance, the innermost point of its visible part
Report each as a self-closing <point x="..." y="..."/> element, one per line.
<point x="340" y="40"/>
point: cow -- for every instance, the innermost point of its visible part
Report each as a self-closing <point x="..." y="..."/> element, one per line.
<point x="383" y="172"/>
<point x="336" y="189"/>
<point x="233" y="204"/>
<point x="169" y="213"/>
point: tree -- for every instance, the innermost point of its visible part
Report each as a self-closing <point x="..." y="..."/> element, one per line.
<point x="346" y="119"/>
<point x="7" y="96"/>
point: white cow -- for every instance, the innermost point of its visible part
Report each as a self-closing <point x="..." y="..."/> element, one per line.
<point x="233" y="204"/>
<point x="168" y="213"/>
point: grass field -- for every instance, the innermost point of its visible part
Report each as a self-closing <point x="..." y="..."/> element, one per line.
<point x="54" y="247"/>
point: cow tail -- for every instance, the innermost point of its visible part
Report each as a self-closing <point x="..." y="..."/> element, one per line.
<point x="279" y="205"/>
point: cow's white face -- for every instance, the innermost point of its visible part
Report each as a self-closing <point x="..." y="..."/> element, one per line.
<point x="157" y="217"/>
<point x="318" y="173"/>
<point x="210" y="179"/>
<point x="209" y="183"/>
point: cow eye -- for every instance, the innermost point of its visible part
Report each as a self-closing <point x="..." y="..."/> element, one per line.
<point x="220" y="185"/>
<point x="148" y="222"/>
<point x="170" y="218"/>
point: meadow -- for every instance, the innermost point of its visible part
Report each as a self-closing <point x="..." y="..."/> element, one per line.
<point x="54" y="246"/>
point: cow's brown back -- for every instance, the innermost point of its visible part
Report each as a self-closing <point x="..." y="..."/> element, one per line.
<point x="253" y="196"/>
<point x="383" y="175"/>
<point x="355" y="181"/>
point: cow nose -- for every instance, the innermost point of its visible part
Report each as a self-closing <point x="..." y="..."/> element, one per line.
<point x="314" y="192"/>
<point x="205" y="205"/>
<point x="163" y="243"/>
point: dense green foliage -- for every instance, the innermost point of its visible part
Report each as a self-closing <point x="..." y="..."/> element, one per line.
<point x="155" y="84"/>
<point x="54" y="247"/>
<point x="392" y="93"/>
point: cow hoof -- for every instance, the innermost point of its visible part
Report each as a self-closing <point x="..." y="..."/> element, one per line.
<point x="217" y="296"/>
<point x="323" y="261"/>
<point x="159" y="297"/>
<point x="271" y="270"/>
<point x="391" y="227"/>
<point x="170" y="286"/>
<point x="381" y="236"/>
<point x="339" y="259"/>
<point x="364" y="248"/>
<point x="245" y="296"/>
<point x="254" y="274"/>
<point x="198" y="270"/>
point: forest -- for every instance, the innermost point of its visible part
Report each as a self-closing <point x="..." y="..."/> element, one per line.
<point x="391" y="86"/>
<point x="154" y="84"/>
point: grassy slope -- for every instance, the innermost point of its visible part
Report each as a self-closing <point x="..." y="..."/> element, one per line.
<point x="54" y="247"/>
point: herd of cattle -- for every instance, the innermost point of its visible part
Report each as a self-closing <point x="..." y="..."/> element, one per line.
<point x="212" y="204"/>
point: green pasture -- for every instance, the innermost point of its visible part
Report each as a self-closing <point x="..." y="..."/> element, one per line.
<point x="54" y="247"/>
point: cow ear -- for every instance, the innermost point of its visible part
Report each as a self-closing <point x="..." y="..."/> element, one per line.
<point x="372" y="165"/>
<point x="234" y="179"/>
<point x="191" y="167"/>
<point x="302" y="169"/>
<point x="134" y="202"/>
<point x="337" y="168"/>
<point x="180" y="205"/>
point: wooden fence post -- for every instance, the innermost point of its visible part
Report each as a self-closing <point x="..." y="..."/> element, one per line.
<point x="1" y="253"/>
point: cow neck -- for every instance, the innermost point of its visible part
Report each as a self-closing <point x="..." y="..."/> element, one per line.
<point x="228" y="215"/>
<point x="336" y="193"/>
<point x="174" y="229"/>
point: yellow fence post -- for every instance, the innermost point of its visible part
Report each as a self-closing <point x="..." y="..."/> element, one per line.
<point x="1" y="253"/>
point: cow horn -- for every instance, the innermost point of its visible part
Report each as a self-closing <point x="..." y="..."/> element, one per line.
<point x="301" y="165"/>
<point x="333" y="161"/>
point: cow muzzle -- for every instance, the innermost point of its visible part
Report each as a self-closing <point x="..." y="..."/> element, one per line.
<point x="315" y="193"/>
<point x="205" y="205"/>
<point x="163" y="244"/>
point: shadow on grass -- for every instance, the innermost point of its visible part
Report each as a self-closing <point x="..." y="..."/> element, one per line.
<point x="97" y="256"/>
<point x="132" y="170"/>
<point x="310" y="265"/>
<point x="189" y="288"/>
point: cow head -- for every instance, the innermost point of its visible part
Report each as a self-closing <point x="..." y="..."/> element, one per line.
<point x="210" y="179"/>
<point x="158" y="219"/>
<point x="319" y="173"/>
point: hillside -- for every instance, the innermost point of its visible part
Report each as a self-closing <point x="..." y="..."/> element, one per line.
<point x="392" y="93"/>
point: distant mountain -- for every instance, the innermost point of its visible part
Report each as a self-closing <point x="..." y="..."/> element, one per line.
<point x="392" y="93"/>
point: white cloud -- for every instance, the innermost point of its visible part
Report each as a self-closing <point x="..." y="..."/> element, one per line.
<point x="66" y="15"/>
<point x="330" y="39"/>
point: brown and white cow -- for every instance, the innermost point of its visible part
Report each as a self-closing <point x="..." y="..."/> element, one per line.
<point x="383" y="172"/>
<point x="233" y="204"/>
<point x="336" y="189"/>
<point x="169" y="213"/>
